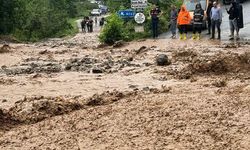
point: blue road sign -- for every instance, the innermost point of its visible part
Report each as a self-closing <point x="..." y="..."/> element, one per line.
<point x="126" y="13"/>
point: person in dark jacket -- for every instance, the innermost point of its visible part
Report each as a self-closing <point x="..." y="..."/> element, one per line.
<point x="155" y="13"/>
<point x="198" y="21"/>
<point x="83" y="25"/>
<point x="90" y="25"/>
<point x="208" y="12"/>
<point x="240" y="20"/>
<point x="233" y="17"/>
<point x="102" y="21"/>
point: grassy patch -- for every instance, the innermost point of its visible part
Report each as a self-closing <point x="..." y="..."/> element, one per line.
<point x="72" y="30"/>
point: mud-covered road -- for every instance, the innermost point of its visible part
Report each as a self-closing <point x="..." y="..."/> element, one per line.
<point x="74" y="93"/>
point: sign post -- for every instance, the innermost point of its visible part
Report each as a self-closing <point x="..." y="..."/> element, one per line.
<point x="139" y="19"/>
<point x="126" y="14"/>
<point x="139" y="4"/>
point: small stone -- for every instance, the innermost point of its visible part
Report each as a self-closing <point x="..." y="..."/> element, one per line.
<point x="146" y="89"/>
<point x="141" y="49"/>
<point x="133" y="86"/>
<point x="4" y="67"/>
<point x="97" y="70"/>
<point x="118" y="44"/>
<point x="102" y="45"/>
<point x="130" y="59"/>
<point x="43" y="52"/>
<point x="4" y="101"/>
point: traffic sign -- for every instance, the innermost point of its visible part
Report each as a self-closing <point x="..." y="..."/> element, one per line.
<point x="139" y="4"/>
<point x="140" y="18"/>
<point x="126" y="13"/>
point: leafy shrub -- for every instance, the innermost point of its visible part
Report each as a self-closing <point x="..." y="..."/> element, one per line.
<point x="125" y="29"/>
<point x="113" y="31"/>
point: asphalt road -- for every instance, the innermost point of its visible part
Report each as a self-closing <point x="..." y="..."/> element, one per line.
<point x="244" y="33"/>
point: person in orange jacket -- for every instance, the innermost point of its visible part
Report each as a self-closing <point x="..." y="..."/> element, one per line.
<point x="183" y="21"/>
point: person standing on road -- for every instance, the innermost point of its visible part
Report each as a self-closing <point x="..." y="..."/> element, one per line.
<point x="216" y="19"/>
<point x="183" y="21"/>
<point x="173" y="21"/>
<point x="83" y="25"/>
<point x="90" y="25"/>
<point x="198" y="21"/>
<point x="233" y="23"/>
<point x="208" y="12"/>
<point x="101" y="22"/>
<point x="87" y="24"/>
<point x="96" y="21"/>
<point x="240" y="21"/>
<point x="155" y="13"/>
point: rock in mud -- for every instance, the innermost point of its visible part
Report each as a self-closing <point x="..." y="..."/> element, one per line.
<point x="220" y="83"/>
<point x="119" y="44"/>
<point x="102" y="45"/>
<point x="43" y="52"/>
<point x="130" y="59"/>
<point x="162" y="60"/>
<point x="97" y="70"/>
<point x="4" y="100"/>
<point x="68" y="67"/>
<point x="141" y="50"/>
<point x="5" y="48"/>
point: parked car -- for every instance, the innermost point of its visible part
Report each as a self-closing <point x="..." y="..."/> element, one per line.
<point x="191" y="4"/>
<point x="95" y="12"/>
<point x="103" y="9"/>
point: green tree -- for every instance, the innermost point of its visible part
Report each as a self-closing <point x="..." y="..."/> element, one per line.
<point x="8" y="10"/>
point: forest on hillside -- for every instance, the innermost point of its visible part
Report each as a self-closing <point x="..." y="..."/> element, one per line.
<point x="32" y="20"/>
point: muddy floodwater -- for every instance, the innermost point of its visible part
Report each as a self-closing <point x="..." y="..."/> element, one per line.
<point x="76" y="93"/>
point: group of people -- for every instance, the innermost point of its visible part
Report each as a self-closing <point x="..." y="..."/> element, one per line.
<point x="87" y="24"/>
<point x="212" y="17"/>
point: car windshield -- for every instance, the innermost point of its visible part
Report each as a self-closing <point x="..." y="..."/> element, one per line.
<point x="190" y="4"/>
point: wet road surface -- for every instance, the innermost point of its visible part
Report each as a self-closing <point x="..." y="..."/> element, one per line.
<point x="244" y="33"/>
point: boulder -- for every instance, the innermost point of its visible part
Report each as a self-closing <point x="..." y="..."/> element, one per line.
<point x="162" y="60"/>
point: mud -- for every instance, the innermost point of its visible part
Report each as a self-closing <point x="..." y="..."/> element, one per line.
<point x="218" y="64"/>
<point x="5" y="48"/>
<point x="78" y="94"/>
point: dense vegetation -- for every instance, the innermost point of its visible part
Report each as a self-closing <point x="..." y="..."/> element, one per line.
<point x="125" y="28"/>
<point x="32" y="20"/>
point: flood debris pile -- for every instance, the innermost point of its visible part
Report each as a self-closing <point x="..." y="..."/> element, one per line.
<point x="103" y="65"/>
<point x="184" y="55"/>
<point x="217" y="64"/>
<point x="35" y="109"/>
<point x="105" y="98"/>
<point x="6" y="120"/>
<point x="32" y="66"/>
